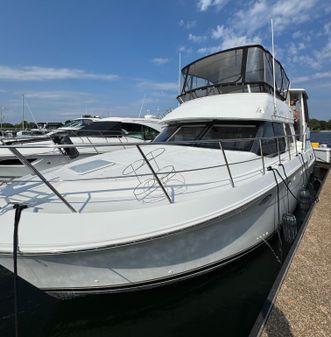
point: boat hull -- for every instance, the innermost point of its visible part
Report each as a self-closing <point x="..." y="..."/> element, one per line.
<point x="163" y="259"/>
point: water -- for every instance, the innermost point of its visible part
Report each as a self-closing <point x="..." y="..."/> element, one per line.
<point x="224" y="303"/>
<point x="321" y="137"/>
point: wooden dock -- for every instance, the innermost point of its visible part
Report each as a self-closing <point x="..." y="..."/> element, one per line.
<point x="299" y="305"/>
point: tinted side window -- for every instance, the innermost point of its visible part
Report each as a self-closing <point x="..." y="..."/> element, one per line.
<point x="279" y="132"/>
<point x="133" y="130"/>
<point x="101" y="129"/>
<point x="269" y="146"/>
<point x="166" y="133"/>
<point x="187" y="133"/>
<point x="149" y="133"/>
<point x="232" y="131"/>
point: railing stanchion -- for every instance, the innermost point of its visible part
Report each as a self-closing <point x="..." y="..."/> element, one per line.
<point x="295" y="142"/>
<point x="95" y="149"/>
<point x="154" y="174"/>
<point x="43" y="179"/>
<point x="262" y="155"/>
<point x="289" y="146"/>
<point x="227" y="164"/>
<point x="278" y="151"/>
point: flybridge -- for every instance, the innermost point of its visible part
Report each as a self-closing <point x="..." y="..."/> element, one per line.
<point x="242" y="69"/>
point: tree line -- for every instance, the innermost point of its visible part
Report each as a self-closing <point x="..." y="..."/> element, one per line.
<point x="319" y="125"/>
<point x="27" y="125"/>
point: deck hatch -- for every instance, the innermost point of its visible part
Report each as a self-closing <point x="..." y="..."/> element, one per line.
<point x="91" y="166"/>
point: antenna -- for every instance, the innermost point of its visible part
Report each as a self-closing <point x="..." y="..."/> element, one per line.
<point x="142" y="105"/>
<point x="273" y="64"/>
<point x="179" y="71"/>
<point x="1" y="126"/>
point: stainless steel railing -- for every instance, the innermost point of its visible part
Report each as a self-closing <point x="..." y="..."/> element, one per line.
<point x="288" y="140"/>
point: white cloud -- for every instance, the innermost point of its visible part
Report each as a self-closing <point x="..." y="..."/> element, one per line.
<point x="56" y="95"/>
<point x="315" y="76"/>
<point x="218" y="32"/>
<point x="285" y="13"/>
<point x="316" y="60"/>
<point x="208" y="50"/>
<point x="327" y="28"/>
<point x="160" y="60"/>
<point x="163" y="86"/>
<point x="185" y="50"/>
<point x="197" y="38"/>
<point x="203" y="5"/>
<point x="34" y="73"/>
<point x="229" y="38"/>
<point x="187" y="24"/>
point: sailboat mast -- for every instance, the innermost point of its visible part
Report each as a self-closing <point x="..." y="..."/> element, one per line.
<point x="23" y="111"/>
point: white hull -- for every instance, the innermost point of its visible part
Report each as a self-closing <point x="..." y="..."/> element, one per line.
<point x="160" y="259"/>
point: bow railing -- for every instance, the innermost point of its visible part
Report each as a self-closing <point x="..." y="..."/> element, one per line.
<point x="281" y="147"/>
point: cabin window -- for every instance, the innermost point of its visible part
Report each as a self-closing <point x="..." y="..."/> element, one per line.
<point x="149" y="133"/>
<point x="279" y="132"/>
<point x="212" y="133"/>
<point x="232" y="131"/>
<point x="101" y="129"/>
<point x="235" y="136"/>
<point x="139" y="131"/>
<point x="187" y="133"/>
<point x="269" y="145"/>
<point x="166" y="133"/>
<point x="133" y="130"/>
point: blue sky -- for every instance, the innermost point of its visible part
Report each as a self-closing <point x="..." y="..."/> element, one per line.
<point x="104" y="57"/>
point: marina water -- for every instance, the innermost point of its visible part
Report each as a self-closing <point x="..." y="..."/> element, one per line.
<point x="321" y="137"/>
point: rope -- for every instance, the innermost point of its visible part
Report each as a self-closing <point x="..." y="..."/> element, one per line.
<point x="18" y="211"/>
<point x="287" y="181"/>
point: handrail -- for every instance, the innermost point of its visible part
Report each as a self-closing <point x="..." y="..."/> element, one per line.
<point x="154" y="174"/>
<point x="44" y="180"/>
<point x="182" y="142"/>
<point x="262" y="155"/>
<point x="20" y="156"/>
<point x="227" y="164"/>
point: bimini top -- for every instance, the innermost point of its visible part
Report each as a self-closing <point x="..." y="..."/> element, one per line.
<point x="241" y="69"/>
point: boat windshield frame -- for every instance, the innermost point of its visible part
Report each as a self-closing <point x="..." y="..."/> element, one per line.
<point x="242" y="69"/>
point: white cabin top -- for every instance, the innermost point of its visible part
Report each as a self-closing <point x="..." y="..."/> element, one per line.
<point x="233" y="84"/>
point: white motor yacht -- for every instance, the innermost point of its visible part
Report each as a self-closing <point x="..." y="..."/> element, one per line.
<point x="208" y="190"/>
<point x="115" y="130"/>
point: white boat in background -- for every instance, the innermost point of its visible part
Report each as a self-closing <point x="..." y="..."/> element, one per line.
<point x="204" y="193"/>
<point x="117" y="130"/>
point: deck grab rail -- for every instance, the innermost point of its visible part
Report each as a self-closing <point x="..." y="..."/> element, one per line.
<point x="290" y="139"/>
